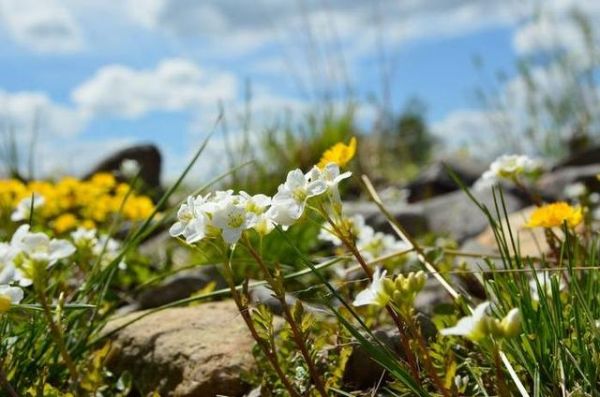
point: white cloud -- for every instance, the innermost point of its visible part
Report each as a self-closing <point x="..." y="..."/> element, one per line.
<point x="42" y="26"/>
<point x="174" y="85"/>
<point x="24" y="112"/>
<point x="556" y="26"/>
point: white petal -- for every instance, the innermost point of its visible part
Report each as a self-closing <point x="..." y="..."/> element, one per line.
<point x="231" y="236"/>
<point x="14" y="293"/>
<point x="59" y="249"/>
<point x="364" y="297"/>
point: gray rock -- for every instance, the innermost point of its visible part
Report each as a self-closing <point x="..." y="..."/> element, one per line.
<point x="362" y="372"/>
<point x="147" y="156"/>
<point x="435" y="179"/>
<point x="453" y="213"/>
<point x="197" y="351"/>
<point x="585" y="157"/>
<point x="431" y="296"/>
<point x="552" y="185"/>
<point x="180" y="286"/>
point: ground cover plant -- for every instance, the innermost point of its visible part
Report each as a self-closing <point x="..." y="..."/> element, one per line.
<point x="533" y="331"/>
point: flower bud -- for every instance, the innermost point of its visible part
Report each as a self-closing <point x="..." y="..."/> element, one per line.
<point x="511" y="324"/>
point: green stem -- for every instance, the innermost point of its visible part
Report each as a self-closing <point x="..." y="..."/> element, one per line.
<point x="268" y="351"/>
<point x="296" y="332"/>
<point x="57" y="335"/>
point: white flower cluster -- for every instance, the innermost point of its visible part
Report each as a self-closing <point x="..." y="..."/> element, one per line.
<point x="25" y="250"/>
<point x="228" y="215"/>
<point x="100" y="245"/>
<point x="508" y="167"/>
<point x="370" y="243"/>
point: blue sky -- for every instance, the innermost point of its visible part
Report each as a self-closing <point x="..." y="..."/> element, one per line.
<point x="100" y="75"/>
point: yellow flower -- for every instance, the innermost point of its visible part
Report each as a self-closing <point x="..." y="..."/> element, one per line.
<point x="104" y="180"/>
<point x="64" y="223"/>
<point x="88" y="224"/>
<point x="553" y="215"/>
<point x="340" y="154"/>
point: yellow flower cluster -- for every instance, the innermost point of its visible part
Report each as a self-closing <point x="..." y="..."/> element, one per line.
<point x="555" y="214"/>
<point x="71" y="202"/>
<point x="340" y="154"/>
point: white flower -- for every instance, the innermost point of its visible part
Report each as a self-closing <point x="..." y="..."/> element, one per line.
<point x="257" y="204"/>
<point x="375" y="293"/>
<point x="191" y="220"/>
<point x="332" y="177"/>
<point x="472" y="327"/>
<point x="9" y="296"/>
<point x="129" y="168"/>
<point x="511" y="323"/>
<point x="107" y="246"/>
<point x="508" y="166"/>
<point x="23" y="210"/>
<point x="8" y="271"/>
<point x="356" y="226"/>
<point x="545" y="284"/>
<point x="288" y="204"/>
<point x="232" y="218"/>
<point x="575" y="190"/>
<point x="40" y="248"/>
<point x="379" y="244"/>
<point x="84" y="237"/>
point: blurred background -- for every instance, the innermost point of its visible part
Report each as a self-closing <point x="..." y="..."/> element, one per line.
<point x="280" y="81"/>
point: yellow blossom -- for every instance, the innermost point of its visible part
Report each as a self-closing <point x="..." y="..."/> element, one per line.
<point x="104" y="180"/>
<point x="340" y="154"/>
<point x="64" y="223"/>
<point x="553" y="215"/>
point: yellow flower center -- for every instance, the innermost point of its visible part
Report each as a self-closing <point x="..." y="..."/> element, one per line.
<point x="5" y="303"/>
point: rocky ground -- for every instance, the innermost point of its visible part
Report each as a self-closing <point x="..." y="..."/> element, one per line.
<point x="203" y="349"/>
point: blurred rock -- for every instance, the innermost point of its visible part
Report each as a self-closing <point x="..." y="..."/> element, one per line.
<point x="197" y="351"/>
<point x="531" y="241"/>
<point x="181" y="285"/>
<point x="147" y="156"/>
<point x="436" y="180"/>
<point x="432" y="295"/>
<point x="585" y="157"/>
<point x="362" y="372"/>
<point x="452" y="213"/>
<point x="552" y="185"/>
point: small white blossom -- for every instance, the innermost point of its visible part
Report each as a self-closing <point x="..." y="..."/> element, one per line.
<point x="129" y="168"/>
<point x="288" y="204"/>
<point x="375" y="293"/>
<point x="545" y="284"/>
<point x="84" y="237"/>
<point x="233" y="218"/>
<point x="41" y="248"/>
<point x="472" y="326"/>
<point x="191" y="220"/>
<point x="23" y="210"/>
<point x="379" y="244"/>
<point x="9" y="296"/>
<point x="508" y="167"/>
<point x="356" y="225"/>
<point x="575" y="190"/>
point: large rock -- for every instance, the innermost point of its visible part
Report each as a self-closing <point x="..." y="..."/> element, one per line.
<point x="553" y="184"/>
<point x="181" y="285"/>
<point x="585" y="157"/>
<point x="435" y="180"/>
<point x="453" y="213"/>
<point x="147" y="156"/>
<point x="197" y="351"/>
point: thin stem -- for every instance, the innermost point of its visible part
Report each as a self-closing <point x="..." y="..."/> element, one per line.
<point x="57" y="334"/>
<point x="296" y="332"/>
<point x="351" y="246"/>
<point x="5" y="383"/>
<point x="268" y="351"/>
